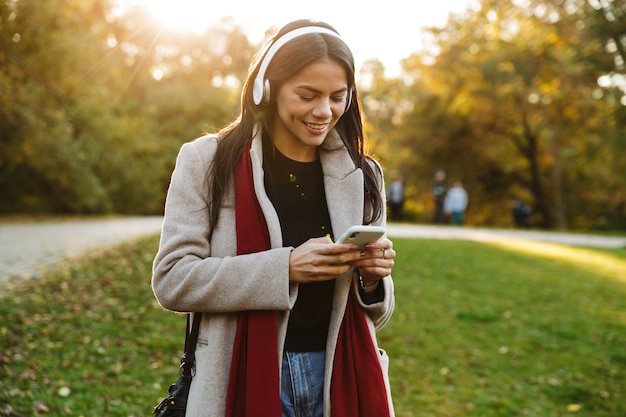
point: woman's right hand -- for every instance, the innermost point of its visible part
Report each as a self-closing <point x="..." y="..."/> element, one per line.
<point x="319" y="259"/>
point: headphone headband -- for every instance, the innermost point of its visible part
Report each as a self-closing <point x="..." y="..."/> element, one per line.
<point x="259" y="88"/>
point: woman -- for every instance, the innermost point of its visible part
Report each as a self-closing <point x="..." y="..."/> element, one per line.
<point x="247" y="240"/>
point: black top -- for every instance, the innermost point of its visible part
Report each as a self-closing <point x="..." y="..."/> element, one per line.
<point x="296" y="190"/>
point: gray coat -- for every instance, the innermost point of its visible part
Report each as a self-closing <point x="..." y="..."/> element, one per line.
<point x="191" y="273"/>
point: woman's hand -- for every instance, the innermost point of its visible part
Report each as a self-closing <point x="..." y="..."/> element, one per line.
<point x="376" y="261"/>
<point x="319" y="259"/>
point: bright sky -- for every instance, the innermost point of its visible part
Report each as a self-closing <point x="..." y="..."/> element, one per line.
<point x="388" y="30"/>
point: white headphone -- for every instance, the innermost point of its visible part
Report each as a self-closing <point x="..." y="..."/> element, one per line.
<point x="261" y="87"/>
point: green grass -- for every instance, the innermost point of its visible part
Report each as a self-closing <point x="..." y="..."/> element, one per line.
<point x="480" y="330"/>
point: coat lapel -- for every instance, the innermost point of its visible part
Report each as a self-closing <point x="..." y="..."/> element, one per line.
<point x="271" y="217"/>
<point x="343" y="184"/>
<point x="344" y="194"/>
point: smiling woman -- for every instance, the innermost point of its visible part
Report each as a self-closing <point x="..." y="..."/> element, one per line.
<point x="264" y="219"/>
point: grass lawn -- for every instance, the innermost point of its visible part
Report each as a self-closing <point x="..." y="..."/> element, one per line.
<point x="479" y="330"/>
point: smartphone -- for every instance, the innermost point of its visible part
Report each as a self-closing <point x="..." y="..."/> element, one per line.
<point x="362" y="235"/>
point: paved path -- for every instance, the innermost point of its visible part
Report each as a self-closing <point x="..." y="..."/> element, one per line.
<point x="28" y="249"/>
<point x="486" y="235"/>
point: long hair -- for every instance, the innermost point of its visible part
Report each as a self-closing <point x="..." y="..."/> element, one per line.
<point x="291" y="58"/>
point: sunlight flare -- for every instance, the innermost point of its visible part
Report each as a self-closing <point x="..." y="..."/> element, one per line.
<point x="181" y="14"/>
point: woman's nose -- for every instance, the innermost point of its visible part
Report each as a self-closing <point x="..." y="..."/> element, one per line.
<point x="322" y="108"/>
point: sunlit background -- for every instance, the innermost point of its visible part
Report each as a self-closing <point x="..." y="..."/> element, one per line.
<point x="384" y="30"/>
<point x="519" y="99"/>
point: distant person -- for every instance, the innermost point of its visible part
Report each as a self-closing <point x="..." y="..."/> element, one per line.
<point x="521" y="213"/>
<point x="455" y="203"/>
<point x="395" y="197"/>
<point x="438" y="189"/>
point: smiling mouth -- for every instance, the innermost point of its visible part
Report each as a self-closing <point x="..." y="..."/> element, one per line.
<point x="316" y="126"/>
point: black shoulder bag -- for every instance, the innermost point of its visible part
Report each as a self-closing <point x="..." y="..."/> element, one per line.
<point x="175" y="404"/>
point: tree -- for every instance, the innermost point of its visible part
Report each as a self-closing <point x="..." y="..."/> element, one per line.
<point x="94" y="105"/>
<point x="43" y="84"/>
<point x="511" y="104"/>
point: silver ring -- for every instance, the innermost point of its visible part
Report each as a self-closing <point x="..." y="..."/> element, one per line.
<point x="384" y="253"/>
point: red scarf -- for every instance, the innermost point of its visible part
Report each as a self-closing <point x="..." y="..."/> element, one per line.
<point x="357" y="389"/>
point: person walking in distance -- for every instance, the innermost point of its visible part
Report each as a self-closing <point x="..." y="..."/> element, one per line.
<point x="395" y="197"/>
<point x="439" y="188"/>
<point x="455" y="203"/>
<point x="521" y="213"/>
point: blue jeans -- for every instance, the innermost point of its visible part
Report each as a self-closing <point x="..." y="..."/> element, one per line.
<point x="302" y="384"/>
<point x="457" y="218"/>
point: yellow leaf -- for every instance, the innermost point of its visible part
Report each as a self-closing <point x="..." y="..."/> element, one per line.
<point x="573" y="407"/>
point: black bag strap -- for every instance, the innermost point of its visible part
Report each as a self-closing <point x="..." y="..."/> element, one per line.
<point x="191" y="338"/>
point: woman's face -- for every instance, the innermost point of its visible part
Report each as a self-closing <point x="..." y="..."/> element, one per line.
<point x="309" y="104"/>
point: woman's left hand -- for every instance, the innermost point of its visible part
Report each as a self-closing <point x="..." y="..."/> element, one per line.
<point x="376" y="261"/>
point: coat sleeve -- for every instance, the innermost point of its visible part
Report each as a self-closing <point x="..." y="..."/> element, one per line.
<point x="192" y="274"/>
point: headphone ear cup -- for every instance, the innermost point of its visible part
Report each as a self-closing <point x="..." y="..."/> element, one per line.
<point x="261" y="92"/>
<point x="257" y="91"/>
<point x="266" y="92"/>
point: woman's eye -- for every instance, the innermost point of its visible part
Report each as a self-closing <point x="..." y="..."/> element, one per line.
<point x="334" y="99"/>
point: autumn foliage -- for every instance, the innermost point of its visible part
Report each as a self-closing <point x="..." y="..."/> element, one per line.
<point x="517" y="100"/>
